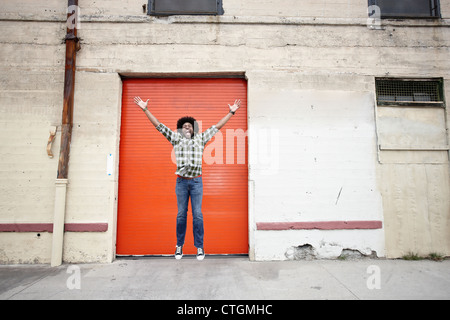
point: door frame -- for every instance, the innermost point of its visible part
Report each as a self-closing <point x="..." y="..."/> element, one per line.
<point x="194" y="75"/>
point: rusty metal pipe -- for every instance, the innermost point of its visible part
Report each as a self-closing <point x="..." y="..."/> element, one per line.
<point x="72" y="46"/>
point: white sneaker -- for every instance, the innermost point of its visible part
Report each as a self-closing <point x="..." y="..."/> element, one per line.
<point x="200" y="254"/>
<point x="178" y="252"/>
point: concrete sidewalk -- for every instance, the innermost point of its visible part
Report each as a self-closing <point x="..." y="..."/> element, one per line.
<point x="229" y="278"/>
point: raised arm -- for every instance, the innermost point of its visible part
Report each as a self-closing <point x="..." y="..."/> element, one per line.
<point x="233" y="108"/>
<point x="143" y="106"/>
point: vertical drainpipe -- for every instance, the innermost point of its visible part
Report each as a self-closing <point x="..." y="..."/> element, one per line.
<point x="72" y="46"/>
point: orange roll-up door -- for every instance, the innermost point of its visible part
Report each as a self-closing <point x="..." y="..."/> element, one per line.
<point x="147" y="206"/>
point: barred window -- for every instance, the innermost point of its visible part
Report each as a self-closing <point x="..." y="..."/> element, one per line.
<point x="407" y="91"/>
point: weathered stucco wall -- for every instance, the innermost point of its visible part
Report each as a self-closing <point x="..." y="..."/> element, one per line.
<point x="414" y="179"/>
<point x="310" y="68"/>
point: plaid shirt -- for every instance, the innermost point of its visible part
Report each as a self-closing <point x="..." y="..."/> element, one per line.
<point x="188" y="152"/>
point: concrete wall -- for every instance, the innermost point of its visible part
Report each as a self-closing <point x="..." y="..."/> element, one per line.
<point x="310" y="67"/>
<point x="414" y="179"/>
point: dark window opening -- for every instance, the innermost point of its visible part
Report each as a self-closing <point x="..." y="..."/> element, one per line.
<point x="408" y="8"/>
<point x="185" y="7"/>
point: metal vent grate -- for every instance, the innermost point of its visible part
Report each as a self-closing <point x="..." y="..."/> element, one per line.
<point x="394" y="91"/>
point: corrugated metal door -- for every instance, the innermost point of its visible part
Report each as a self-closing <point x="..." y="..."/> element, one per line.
<point x="147" y="202"/>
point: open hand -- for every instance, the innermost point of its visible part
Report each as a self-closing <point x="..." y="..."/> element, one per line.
<point x="235" y="106"/>
<point x="141" y="103"/>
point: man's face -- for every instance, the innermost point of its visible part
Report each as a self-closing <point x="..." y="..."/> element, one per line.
<point x="188" y="130"/>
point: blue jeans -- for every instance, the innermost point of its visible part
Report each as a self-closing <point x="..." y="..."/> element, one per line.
<point x="190" y="188"/>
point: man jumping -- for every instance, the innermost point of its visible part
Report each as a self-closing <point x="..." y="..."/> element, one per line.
<point x="188" y="145"/>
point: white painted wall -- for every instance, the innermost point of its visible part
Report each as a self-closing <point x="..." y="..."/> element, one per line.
<point x="322" y="168"/>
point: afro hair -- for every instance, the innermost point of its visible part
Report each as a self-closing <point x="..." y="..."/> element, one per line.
<point x="191" y="120"/>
